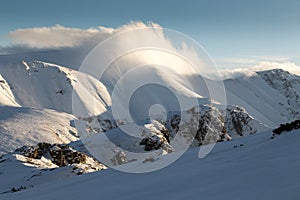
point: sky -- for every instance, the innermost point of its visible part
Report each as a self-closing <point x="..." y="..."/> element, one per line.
<point x="235" y="33"/>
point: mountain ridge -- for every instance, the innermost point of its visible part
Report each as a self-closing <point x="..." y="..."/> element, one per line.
<point x="36" y="108"/>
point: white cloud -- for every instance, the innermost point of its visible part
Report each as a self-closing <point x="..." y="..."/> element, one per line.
<point x="84" y="40"/>
<point x="236" y="61"/>
<point x="236" y="72"/>
<point x="248" y="61"/>
<point x="266" y="65"/>
<point x="287" y="66"/>
<point x="81" y="41"/>
<point x="60" y="36"/>
<point x="56" y="36"/>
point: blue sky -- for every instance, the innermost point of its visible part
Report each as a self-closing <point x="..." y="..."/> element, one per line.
<point x="234" y="32"/>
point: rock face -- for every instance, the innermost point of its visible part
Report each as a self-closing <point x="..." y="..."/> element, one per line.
<point x="199" y="125"/>
<point x="60" y="155"/>
<point x="239" y="123"/>
<point x="159" y="138"/>
<point x="208" y="124"/>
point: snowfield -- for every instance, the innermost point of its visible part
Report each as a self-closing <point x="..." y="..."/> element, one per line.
<point x="254" y="167"/>
<point x="28" y="126"/>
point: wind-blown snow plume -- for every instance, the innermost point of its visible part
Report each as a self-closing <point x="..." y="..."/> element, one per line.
<point x="79" y="42"/>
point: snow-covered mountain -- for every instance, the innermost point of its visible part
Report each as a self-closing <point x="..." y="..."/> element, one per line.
<point x="269" y="96"/>
<point x="43" y="85"/>
<point x="261" y="101"/>
<point x="286" y="84"/>
<point x="37" y="108"/>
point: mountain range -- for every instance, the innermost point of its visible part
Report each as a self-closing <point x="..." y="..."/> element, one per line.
<point x="42" y="105"/>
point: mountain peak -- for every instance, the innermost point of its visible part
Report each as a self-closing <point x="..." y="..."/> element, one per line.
<point x="277" y="73"/>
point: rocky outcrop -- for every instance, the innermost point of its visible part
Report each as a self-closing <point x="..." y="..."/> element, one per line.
<point x="209" y="124"/>
<point x="59" y="155"/>
<point x="239" y="123"/>
<point x="198" y="126"/>
<point x="157" y="139"/>
<point x="154" y="142"/>
<point x="286" y="128"/>
<point x="201" y="125"/>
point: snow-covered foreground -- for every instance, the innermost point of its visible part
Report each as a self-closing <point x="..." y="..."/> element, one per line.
<point x="254" y="167"/>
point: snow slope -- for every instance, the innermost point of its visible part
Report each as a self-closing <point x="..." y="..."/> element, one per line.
<point x="44" y="85"/>
<point x="269" y="96"/>
<point x="6" y="95"/>
<point x="255" y="167"/>
<point x="28" y="126"/>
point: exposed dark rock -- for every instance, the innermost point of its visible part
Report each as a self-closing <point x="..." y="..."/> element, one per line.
<point x="59" y="154"/>
<point x="166" y="134"/>
<point x="60" y="92"/>
<point x="286" y="128"/>
<point x="175" y="121"/>
<point x="16" y="189"/>
<point x="151" y="143"/>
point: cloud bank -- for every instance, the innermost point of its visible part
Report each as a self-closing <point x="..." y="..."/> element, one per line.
<point x="75" y="43"/>
<point x="250" y="60"/>
<point x="59" y="36"/>
<point x="69" y="46"/>
<point x="266" y="65"/>
<point x="58" y="44"/>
